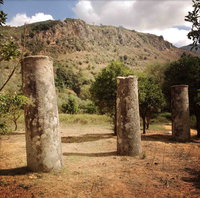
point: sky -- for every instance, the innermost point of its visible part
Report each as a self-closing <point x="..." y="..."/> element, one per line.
<point x="160" y="17"/>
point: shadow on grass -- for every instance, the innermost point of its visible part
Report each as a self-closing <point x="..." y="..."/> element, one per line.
<point x="86" y="138"/>
<point x="165" y="138"/>
<point x="158" y="137"/>
<point x="15" y="171"/>
<point x="193" y="178"/>
<point x="91" y="154"/>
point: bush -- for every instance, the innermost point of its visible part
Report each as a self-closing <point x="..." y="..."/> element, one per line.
<point x="11" y="107"/>
<point x="87" y="106"/>
<point x="71" y="106"/>
<point x="3" y="127"/>
<point x="103" y="89"/>
<point x="66" y="77"/>
<point x="164" y="117"/>
<point x="44" y="26"/>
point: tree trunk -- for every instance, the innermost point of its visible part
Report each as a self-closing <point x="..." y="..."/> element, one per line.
<point x="15" y="122"/>
<point x="148" y="118"/>
<point x="9" y="77"/>
<point x="144" y="124"/>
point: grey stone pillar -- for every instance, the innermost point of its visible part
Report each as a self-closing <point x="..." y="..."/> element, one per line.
<point x="43" y="143"/>
<point x="128" y="119"/>
<point x="180" y="113"/>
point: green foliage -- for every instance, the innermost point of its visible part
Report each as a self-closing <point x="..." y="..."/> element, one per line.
<point x="8" y="51"/>
<point x="88" y="106"/>
<point x="193" y="17"/>
<point x="35" y="47"/>
<point x="151" y="98"/>
<point x="157" y="72"/>
<point x="44" y="25"/>
<point x="103" y="90"/>
<point x="163" y="117"/>
<point x="66" y="77"/>
<point x="3" y="127"/>
<point x="11" y="107"/>
<point x="71" y="106"/>
<point x="3" y="16"/>
<point x="91" y="119"/>
<point x="185" y="71"/>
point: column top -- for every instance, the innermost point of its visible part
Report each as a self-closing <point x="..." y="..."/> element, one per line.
<point x="38" y="57"/>
<point x="126" y="77"/>
<point x="179" y="86"/>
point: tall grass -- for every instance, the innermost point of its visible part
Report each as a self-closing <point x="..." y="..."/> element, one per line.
<point x="84" y="119"/>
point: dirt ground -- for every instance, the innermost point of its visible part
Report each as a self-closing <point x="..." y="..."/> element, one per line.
<point x="93" y="170"/>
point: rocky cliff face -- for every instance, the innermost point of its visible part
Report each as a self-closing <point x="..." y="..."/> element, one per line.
<point x="78" y="44"/>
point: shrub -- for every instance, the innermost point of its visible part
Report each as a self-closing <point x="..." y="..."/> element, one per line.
<point x="87" y="106"/>
<point x="11" y="107"/>
<point x="71" y="106"/>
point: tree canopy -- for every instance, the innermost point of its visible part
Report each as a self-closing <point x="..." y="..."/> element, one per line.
<point x="194" y="18"/>
<point x="8" y="49"/>
<point x="151" y="99"/>
<point x="186" y="71"/>
<point x="104" y="88"/>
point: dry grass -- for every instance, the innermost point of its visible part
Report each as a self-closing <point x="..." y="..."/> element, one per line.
<point x="92" y="168"/>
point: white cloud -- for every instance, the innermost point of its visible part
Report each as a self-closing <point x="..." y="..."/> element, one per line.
<point x="141" y="15"/>
<point x="173" y="35"/>
<point x="21" y="19"/>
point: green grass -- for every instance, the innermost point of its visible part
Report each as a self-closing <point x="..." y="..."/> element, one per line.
<point x="158" y="126"/>
<point x="84" y="119"/>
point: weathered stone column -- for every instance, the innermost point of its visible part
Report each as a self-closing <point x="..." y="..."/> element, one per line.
<point x="180" y="113"/>
<point x="128" y="119"/>
<point x="43" y="143"/>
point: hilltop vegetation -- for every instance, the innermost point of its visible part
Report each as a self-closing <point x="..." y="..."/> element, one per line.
<point x="80" y="51"/>
<point x="86" y="49"/>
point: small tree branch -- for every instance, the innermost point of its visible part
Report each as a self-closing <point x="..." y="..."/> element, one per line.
<point x="9" y="77"/>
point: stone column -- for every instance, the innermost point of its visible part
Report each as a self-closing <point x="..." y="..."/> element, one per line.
<point x="43" y="142"/>
<point x="128" y="119"/>
<point x="180" y="113"/>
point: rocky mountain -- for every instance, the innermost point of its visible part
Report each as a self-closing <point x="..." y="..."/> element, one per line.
<point x="81" y="50"/>
<point x="74" y="42"/>
<point x="190" y="48"/>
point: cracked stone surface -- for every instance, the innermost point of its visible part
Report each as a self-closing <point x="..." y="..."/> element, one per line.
<point x="43" y="142"/>
<point x="128" y="119"/>
<point x="180" y="113"/>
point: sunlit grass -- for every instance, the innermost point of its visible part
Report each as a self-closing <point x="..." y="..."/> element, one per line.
<point x="84" y="119"/>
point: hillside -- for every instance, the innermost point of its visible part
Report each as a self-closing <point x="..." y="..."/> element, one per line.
<point x="191" y="49"/>
<point x="80" y="50"/>
<point x="76" y="42"/>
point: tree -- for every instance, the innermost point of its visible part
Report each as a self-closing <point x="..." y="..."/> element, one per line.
<point x="186" y="71"/>
<point x="11" y="107"/>
<point x="104" y="88"/>
<point x="151" y="99"/>
<point x="8" y="49"/>
<point x="71" y="106"/>
<point x="194" y="18"/>
<point x="3" y="16"/>
<point x="66" y="77"/>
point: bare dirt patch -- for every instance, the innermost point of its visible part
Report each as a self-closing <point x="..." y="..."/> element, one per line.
<point x="93" y="170"/>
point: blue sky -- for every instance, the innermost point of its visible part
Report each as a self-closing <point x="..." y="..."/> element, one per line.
<point x="59" y="9"/>
<point x="160" y="17"/>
